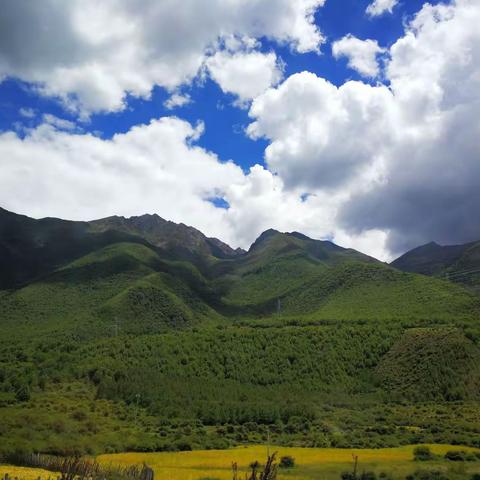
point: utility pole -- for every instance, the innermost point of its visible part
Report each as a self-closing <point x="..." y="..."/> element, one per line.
<point x="279" y="306"/>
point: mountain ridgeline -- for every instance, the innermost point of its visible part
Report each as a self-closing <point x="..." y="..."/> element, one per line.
<point x="164" y="338"/>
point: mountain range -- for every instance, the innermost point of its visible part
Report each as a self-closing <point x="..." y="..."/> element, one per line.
<point x="141" y="318"/>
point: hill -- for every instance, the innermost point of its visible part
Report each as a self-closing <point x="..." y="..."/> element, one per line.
<point x="441" y="362"/>
<point x="182" y="341"/>
<point x="458" y="263"/>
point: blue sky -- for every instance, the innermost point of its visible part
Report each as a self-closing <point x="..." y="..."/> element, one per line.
<point x="308" y="115"/>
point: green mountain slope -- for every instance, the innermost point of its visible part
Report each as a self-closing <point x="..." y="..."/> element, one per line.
<point x="209" y="346"/>
<point x="124" y="283"/>
<point x="291" y="274"/>
<point x="178" y="282"/>
<point x="32" y="248"/>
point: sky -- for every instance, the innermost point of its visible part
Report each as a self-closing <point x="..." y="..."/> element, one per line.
<point x="356" y="121"/>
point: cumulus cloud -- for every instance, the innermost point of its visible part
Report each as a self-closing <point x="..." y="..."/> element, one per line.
<point x="402" y="159"/>
<point x="80" y="176"/>
<point x="379" y="7"/>
<point x="361" y="54"/>
<point x="322" y="136"/>
<point x="91" y="54"/>
<point x="245" y="74"/>
<point x="177" y="100"/>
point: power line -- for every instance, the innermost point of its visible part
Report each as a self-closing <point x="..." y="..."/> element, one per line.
<point x="456" y="274"/>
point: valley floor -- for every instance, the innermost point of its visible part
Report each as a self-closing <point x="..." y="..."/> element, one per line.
<point x="311" y="463"/>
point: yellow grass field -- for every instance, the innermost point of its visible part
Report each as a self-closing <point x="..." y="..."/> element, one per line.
<point x="24" y="473"/>
<point x="311" y="463"/>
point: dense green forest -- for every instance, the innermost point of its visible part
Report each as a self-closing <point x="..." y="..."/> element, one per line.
<point x="143" y="334"/>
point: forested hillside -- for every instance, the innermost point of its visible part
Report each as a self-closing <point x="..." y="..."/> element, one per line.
<point x="140" y="333"/>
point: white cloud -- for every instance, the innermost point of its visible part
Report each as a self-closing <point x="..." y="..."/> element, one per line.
<point x="245" y="74"/>
<point x="59" y="123"/>
<point x="361" y="54"/>
<point x="92" y="54"/>
<point x="379" y="7"/>
<point x="307" y="119"/>
<point x="177" y="100"/>
<point x="27" y="112"/>
<point x="402" y="160"/>
<point x="154" y="167"/>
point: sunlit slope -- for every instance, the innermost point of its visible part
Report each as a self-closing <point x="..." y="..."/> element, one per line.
<point x="289" y="274"/>
<point x="139" y="289"/>
<point x="121" y="286"/>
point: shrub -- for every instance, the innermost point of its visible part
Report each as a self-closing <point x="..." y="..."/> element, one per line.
<point x="368" y="476"/>
<point x="427" y="475"/>
<point x="384" y="476"/>
<point x="79" y="415"/>
<point x="422" y="454"/>
<point x="183" y="445"/>
<point x="23" y="394"/>
<point x="456" y="455"/>
<point x="287" y="462"/>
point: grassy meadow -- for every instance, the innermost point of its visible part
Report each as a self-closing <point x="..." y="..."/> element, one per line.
<point x="311" y="463"/>
<point x="25" y="473"/>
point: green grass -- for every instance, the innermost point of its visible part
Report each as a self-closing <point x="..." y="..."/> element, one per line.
<point x="67" y="419"/>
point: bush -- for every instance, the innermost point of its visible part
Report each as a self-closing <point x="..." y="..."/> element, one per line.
<point x="23" y="394"/>
<point x="427" y="475"/>
<point x="422" y="454"/>
<point x="287" y="462"/>
<point x="362" y="476"/>
<point x="368" y="476"/>
<point x="456" y="455"/>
